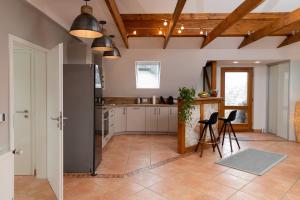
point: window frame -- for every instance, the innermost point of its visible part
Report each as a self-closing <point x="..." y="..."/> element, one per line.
<point x="136" y="74"/>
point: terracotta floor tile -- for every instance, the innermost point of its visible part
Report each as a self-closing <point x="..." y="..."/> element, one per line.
<point x="216" y="190"/>
<point x="244" y="175"/>
<point x="146" y="179"/>
<point x="146" y="195"/>
<point x="230" y="181"/>
<point x="243" y="196"/>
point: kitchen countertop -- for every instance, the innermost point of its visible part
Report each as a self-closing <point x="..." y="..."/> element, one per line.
<point x="108" y="106"/>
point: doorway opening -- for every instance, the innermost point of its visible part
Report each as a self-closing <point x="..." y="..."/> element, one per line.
<point x="35" y="127"/>
<point x="237" y="90"/>
<point x="29" y="120"/>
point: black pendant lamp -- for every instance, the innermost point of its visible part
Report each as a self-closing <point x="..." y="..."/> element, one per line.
<point x="86" y="25"/>
<point x="103" y="43"/>
<point x="114" y="53"/>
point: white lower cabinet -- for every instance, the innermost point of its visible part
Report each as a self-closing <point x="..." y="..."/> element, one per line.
<point x="163" y="119"/>
<point x="141" y="119"/>
<point x="173" y="119"/>
<point x="151" y="119"/>
<point x="120" y="119"/>
<point x="136" y="119"/>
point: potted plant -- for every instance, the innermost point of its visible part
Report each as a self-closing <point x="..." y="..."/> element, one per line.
<point x="186" y="95"/>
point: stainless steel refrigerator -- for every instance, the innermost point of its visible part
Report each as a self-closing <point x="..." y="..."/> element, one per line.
<point x="82" y="140"/>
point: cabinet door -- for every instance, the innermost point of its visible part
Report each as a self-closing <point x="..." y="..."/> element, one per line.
<point x="151" y="119"/>
<point x="173" y="119"/>
<point x="122" y="119"/>
<point x="163" y="119"/>
<point x="112" y="121"/>
<point x="136" y="118"/>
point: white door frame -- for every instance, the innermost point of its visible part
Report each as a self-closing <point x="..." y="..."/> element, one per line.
<point x="12" y="40"/>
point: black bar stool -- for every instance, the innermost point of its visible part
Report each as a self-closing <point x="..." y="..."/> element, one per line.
<point x="227" y="124"/>
<point x="213" y="141"/>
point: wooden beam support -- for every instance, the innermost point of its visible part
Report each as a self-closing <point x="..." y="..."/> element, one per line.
<point x="288" y="20"/>
<point x="246" y="7"/>
<point x="114" y="11"/>
<point x="172" y="24"/>
<point x="290" y="40"/>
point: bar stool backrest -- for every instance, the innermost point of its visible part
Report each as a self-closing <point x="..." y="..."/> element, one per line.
<point x="213" y="118"/>
<point x="232" y="116"/>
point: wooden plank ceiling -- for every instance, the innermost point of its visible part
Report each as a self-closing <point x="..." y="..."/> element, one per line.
<point x="239" y="23"/>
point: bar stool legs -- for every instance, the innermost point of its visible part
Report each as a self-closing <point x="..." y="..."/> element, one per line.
<point x="229" y="131"/>
<point x="214" y="141"/>
<point x="235" y="136"/>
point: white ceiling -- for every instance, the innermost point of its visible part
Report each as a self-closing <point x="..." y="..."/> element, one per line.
<point x="64" y="12"/>
<point x="246" y="63"/>
<point x="204" y="6"/>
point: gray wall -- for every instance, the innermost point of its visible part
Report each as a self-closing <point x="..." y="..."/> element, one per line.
<point x="19" y="18"/>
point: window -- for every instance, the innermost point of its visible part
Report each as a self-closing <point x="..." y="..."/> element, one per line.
<point x="147" y="74"/>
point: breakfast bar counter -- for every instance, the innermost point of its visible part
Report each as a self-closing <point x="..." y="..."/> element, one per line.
<point x="188" y="133"/>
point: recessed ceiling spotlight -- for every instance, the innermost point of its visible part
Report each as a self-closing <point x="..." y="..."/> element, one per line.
<point x="165" y="23"/>
<point x="134" y="32"/>
<point x="235" y="62"/>
<point x="201" y="32"/>
<point x="179" y="31"/>
<point x="160" y="32"/>
<point x="182" y="27"/>
<point x="257" y="62"/>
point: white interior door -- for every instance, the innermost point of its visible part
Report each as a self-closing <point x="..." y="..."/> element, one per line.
<point x="278" y="116"/>
<point x="55" y="120"/>
<point x="22" y="118"/>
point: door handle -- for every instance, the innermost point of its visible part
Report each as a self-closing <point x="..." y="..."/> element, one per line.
<point x="17" y="152"/>
<point x="22" y="111"/>
<point x="55" y="118"/>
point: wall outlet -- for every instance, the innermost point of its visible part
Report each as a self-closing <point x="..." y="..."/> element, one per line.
<point x="2" y="117"/>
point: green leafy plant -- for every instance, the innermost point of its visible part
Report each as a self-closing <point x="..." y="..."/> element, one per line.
<point x="187" y="97"/>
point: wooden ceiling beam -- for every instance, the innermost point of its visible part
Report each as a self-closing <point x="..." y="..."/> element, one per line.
<point x="114" y="11"/>
<point x="172" y="24"/>
<point x="246" y="7"/>
<point x="289" y="20"/>
<point x="290" y="40"/>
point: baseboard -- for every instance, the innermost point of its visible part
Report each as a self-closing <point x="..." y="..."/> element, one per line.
<point x="257" y="130"/>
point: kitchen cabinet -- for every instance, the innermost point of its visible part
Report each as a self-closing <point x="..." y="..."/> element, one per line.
<point x="120" y="120"/>
<point x="173" y="119"/>
<point x="112" y="121"/>
<point x="157" y="119"/>
<point x="136" y="119"/>
<point x="151" y="119"/>
<point x="163" y="119"/>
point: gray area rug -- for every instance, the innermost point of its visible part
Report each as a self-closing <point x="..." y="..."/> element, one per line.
<point x="252" y="161"/>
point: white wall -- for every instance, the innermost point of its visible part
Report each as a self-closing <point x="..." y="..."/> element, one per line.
<point x="260" y="97"/>
<point x="178" y="68"/>
<point x="260" y="84"/>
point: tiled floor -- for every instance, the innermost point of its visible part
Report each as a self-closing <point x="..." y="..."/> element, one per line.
<point x="195" y="178"/>
<point x="130" y="152"/>
<point x="30" y="188"/>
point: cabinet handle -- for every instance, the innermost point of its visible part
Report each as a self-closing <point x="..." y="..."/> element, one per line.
<point x="154" y="111"/>
<point x="171" y="111"/>
<point x="124" y="112"/>
<point x="136" y="108"/>
<point x="159" y="111"/>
